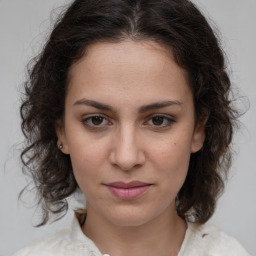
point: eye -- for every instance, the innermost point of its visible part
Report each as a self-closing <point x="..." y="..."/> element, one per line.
<point x="96" y="121"/>
<point x="161" y="121"/>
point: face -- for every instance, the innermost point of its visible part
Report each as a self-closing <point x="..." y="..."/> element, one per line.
<point x="129" y="127"/>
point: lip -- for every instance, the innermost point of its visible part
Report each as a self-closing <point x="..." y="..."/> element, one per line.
<point x="127" y="191"/>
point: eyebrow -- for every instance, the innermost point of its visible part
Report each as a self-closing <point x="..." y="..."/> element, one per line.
<point x="158" y="105"/>
<point x="142" y="109"/>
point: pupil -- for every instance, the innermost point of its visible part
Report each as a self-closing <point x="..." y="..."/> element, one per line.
<point x="158" y="120"/>
<point x="97" y="120"/>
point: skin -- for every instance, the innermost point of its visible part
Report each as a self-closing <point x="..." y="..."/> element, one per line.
<point x="127" y="144"/>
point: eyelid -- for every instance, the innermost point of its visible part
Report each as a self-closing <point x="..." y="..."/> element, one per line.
<point x="93" y="115"/>
<point x="88" y="117"/>
<point x="169" y="118"/>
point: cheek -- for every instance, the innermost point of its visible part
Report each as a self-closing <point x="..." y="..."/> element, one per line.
<point x="85" y="165"/>
<point x="172" y="160"/>
<point x="173" y="152"/>
<point x="85" y="149"/>
<point x="87" y="159"/>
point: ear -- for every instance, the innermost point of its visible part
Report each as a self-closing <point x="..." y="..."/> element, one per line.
<point x="198" y="136"/>
<point x="61" y="135"/>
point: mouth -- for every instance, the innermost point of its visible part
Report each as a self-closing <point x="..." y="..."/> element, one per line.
<point x="128" y="191"/>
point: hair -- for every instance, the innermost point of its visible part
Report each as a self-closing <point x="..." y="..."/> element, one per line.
<point x="178" y="25"/>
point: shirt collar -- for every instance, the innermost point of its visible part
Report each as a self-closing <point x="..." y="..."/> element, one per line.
<point x="79" y="239"/>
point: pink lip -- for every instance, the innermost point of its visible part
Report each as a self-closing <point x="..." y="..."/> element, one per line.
<point x="127" y="191"/>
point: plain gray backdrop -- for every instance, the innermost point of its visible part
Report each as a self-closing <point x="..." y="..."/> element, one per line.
<point x="24" y="25"/>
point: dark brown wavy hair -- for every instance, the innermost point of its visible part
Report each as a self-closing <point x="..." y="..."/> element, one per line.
<point x="178" y="25"/>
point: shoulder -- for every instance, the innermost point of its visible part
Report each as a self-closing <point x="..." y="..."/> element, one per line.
<point x="209" y="240"/>
<point x="56" y="245"/>
<point x="65" y="243"/>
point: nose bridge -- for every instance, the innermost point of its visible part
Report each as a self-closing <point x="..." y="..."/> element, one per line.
<point x="127" y="152"/>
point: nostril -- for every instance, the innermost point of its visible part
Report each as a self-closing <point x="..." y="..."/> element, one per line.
<point x="127" y="162"/>
<point x="126" y="153"/>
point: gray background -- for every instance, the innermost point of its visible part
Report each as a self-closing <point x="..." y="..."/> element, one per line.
<point x="23" y="26"/>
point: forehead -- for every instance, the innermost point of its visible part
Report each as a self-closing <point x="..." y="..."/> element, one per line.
<point x="145" y="68"/>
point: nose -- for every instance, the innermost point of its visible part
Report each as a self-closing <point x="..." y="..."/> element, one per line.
<point x="127" y="151"/>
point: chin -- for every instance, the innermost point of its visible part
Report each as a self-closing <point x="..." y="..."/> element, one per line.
<point x="128" y="217"/>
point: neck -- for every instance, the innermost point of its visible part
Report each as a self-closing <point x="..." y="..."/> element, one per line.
<point x="161" y="236"/>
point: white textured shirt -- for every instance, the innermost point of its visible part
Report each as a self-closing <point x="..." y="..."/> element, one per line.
<point x="200" y="240"/>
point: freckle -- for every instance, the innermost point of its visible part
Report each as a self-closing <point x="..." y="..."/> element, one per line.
<point x="204" y="235"/>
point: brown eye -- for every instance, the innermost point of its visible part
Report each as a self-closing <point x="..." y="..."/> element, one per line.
<point x="97" y="120"/>
<point x="158" y="120"/>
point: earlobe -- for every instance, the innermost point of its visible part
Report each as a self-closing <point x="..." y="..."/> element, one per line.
<point x="61" y="135"/>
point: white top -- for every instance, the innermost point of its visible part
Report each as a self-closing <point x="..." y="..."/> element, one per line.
<point x="200" y="240"/>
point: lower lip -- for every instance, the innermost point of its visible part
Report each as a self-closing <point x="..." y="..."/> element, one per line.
<point x="128" y="193"/>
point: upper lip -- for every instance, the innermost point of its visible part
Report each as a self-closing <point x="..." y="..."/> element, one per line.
<point x="132" y="184"/>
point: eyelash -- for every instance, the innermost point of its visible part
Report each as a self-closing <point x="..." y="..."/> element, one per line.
<point x="86" y="121"/>
<point x="167" y="119"/>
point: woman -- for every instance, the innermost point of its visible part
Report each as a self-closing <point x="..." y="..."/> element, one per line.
<point x="121" y="104"/>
